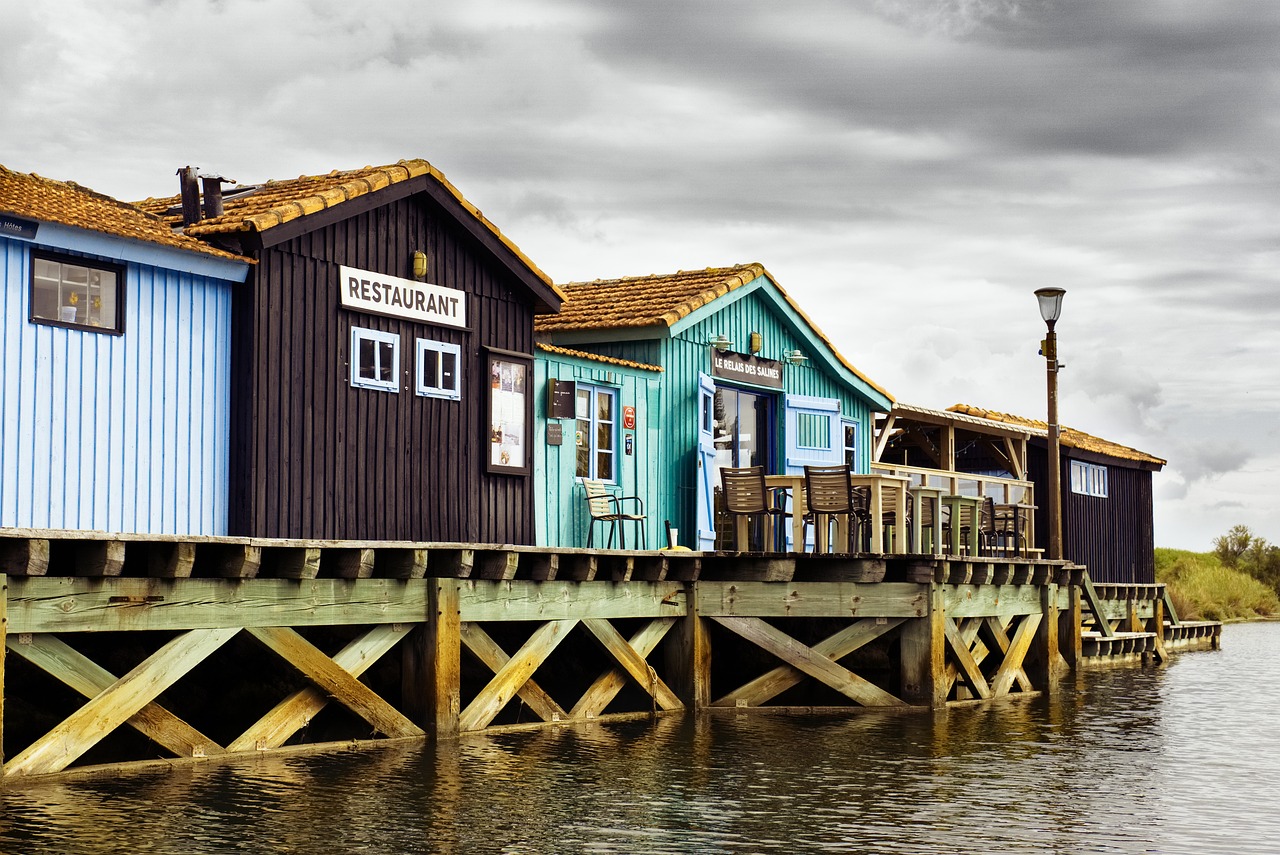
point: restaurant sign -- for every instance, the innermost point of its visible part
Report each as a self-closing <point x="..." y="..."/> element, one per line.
<point x="402" y="298"/>
<point x="743" y="368"/>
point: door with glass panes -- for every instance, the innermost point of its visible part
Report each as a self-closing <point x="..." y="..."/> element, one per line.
<point x="743" y="435"/>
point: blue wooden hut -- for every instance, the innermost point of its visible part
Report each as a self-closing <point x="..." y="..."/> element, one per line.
<point x="735" y="374"/>
<point x="115" y="358"/>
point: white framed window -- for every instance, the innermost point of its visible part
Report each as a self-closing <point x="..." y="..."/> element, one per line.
<point x="74" y="292"/>
<point x="1088" y="479"/>
<point x="849" y="430"/>
<point x="595" y="426"/>
<point x="375" y="360"/>
<point x="439" y="369"/>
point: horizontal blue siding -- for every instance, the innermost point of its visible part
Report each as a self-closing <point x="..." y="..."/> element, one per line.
<point x="117" y="433"/>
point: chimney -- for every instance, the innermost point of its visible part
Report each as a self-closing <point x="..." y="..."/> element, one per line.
<point x="212" y="195"/>
<point x="190" y="195"/>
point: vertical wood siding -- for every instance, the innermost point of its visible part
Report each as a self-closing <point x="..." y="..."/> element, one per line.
<point x="117" y="433"/>
<point x="1112" y="536"/>
<point x="313" y="456"/>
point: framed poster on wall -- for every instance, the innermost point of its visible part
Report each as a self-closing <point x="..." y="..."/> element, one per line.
<point x="510" y="413"/>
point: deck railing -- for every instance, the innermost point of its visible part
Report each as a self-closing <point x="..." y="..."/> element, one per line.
<point x="1003" y="490"/>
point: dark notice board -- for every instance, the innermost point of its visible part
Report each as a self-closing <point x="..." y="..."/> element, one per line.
<point x="561" y="395"/>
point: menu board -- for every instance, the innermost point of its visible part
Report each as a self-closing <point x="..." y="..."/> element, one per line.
<point x="510" y="413"/>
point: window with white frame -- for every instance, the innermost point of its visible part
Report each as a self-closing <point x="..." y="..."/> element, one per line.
<point x="375" y="359"/>
<point x="596" y="411"/>
<point x="439" y="369"/>
<point x="850" y="433"/>
<point x="75" y="292"/>
<point x="1088" y="479"/>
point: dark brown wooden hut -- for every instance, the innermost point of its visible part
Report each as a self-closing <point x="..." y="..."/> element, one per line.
<point x="381" y="358"/>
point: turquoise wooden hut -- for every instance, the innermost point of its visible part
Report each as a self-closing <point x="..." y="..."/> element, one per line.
<point x="735" y="374"/>
<point x="115" y="354"/>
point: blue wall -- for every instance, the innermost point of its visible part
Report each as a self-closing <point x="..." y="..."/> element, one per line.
<point x="120" y="433"/>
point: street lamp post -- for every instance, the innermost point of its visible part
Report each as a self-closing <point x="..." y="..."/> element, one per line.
<point x="1050" y="309"/>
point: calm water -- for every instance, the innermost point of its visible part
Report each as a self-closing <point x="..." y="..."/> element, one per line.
<point x="1180" y="760"/>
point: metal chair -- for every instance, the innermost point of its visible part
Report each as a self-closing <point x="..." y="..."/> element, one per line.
<point x="746" y="496"/>
<point x="606" y="508"/>
<point x="829" y="492"/>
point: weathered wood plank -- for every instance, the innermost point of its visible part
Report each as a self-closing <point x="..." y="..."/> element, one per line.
<point x="399" y="563"/>
<point x="496" y="564"/>
<point x="814" y="664"/>
<point x="688" y="654"/>
<point x="1093" y="602"/>
<point x="922" y="651"/>
<point x="228" y="560"/>
<point x="597" y="698"/>
<point x="964" y="601"/>
<point x="969" y="668"/>
<point x="334" y="680"/>
<point x="485" y="600"/>
<point x="58" y="659"/>
<point x="495" y="658"/>
<point x="995" y="632"/>
<point x="349" y="563"/>
<point x="170" y="560"/>
<point x="291" y="562"/>
<point x="431" y="667"/>
<point x="296" y="711"/>
<point x="68" y="604"/>
<point x="24" y="556"/>
<point x="99" y="558"/>
<point x="812" y="599"/>
<point x="80" y="731"/>
<point x="492" y="698"/>
<point x="633" y="663"/>
<point x="773" y="683"/>
<point x="1017" y="652"/>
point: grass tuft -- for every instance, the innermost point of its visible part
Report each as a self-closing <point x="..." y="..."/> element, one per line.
<point x="1202" y="588"/>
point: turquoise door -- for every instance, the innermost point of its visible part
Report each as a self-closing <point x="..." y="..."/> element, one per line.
<point x="706" y="516"/>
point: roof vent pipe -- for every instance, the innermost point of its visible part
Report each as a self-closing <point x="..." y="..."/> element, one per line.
<point x="190" y="195"/>
<point x="212" y="185"/>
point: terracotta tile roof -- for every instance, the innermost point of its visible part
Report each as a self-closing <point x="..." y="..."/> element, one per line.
<point x="277" y="202"/>
<point x="1069" y="436"/>
<point x="646" y="301"/>
<point x="67" y="203"/>
<point x="595" y="357"/>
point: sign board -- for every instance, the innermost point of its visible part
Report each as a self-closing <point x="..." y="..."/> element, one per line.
<point x="381" y="294"/>
<point x="629" y="418"/>
<point x="561" y="395"/>
<point x="555" y="433"/>
<point x="743" y="368"/>
<point x="11" y="226"/>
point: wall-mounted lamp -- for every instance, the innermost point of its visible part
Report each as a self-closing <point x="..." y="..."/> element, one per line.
<point x="419" y="265"/>
<point x="721" y="342"/>
<point x="794" y="357"/>
<point x="757" y="342"/>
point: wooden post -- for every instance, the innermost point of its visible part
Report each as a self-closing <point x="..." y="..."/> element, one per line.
<point x="432" y="670"/>
<point x="1046" y="669"/>
<point x="4" y="640"/>
<point x="923" y="652"/>
<point x="1070" y="639"/>
<point x="688" y="655"/>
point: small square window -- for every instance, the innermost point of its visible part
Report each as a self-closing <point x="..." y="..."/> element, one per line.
<point x="439" y="370"/>
<point x="74" y="292"/>
<point x="375" y="360"/>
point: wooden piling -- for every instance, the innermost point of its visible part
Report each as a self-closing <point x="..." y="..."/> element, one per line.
<point x="923" y="653"/>
<point x="432" y="663"/>
<point x="688" y="655"/>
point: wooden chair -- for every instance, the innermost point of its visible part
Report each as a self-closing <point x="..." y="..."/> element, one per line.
<point x="606" y="508"/>
<point x="746" y="496"/>
<point x="830" y="493"/>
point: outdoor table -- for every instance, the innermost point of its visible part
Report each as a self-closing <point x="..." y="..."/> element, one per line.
<point x="894" y="485"/>
<point x="921" y="494"/>
<point x="1018" y="512"/>
<point x="955" y="504"/>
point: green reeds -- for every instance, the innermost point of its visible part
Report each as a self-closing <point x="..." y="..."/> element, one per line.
<point x="1202" y="588"/>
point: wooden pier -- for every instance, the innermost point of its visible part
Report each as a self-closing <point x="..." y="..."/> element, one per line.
<point x="1127" y="621"/>
<point x="124" y="648"/>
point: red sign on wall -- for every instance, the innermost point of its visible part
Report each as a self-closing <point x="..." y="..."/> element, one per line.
<point x="629" y="418"/>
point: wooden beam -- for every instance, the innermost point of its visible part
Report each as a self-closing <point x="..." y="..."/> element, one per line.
<point x="1157" y="629"/>
<point x="814" y="664"/>
<point x="1011" y="667"/>
<point x="334" y="680"/>
<point x="769" y="685"/>
<point x="296" y="711"/>
<point x="293" y="562"/>
<point x="399" y="563"/>
<point x="228" y="560"/>
<point x="633" y="663"/>
<point x="80" y="731"/>
<point x="496" y="564"/>
<point x="995" y="630"/>
<point x="812" y="599"/>
<point x="488" y="600"/>
<point x="495" y="658"/>
<point x="688" y="654"/>
<point x="99" y="558"/>
<point x="171" y="560"/>
<point x="606" y="687"/>
<point x="1018" y="461"/>
<point x="431" y="669"/>
<point x="883" y="439"/>
<point x="58" y="659"/>
<point x="922" y="652"/>
<point x="492" y="698"/>
<point x="4" y="636"/>
<point x="1070" y="630"/>
<point x="1094" y="602"/>
<point x="355" y="563"/>
<point x="969" y="669"/>
<point x="27" y="556"/>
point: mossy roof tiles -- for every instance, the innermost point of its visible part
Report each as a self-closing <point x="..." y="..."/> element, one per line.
<point x="69" y="204"/>
<point x="664" y="300"/>
<point x="595" y="357"/>
<point x="277" y="202"/>
<point x="1069" y="436"/>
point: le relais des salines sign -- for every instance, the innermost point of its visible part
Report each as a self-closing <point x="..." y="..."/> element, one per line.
<point x="402" y="298"/>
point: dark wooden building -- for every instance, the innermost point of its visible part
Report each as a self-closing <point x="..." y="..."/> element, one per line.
<point x="1107" y="506"/>
<point x="381" y="357"/>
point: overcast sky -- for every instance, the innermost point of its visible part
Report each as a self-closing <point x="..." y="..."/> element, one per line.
<point x="909" y="171"/>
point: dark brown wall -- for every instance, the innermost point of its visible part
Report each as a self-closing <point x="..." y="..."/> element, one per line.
<point x="313" y="456"/>
<point x="1112" y="536"/>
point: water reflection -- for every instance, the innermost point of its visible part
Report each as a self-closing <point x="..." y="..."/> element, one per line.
<point x="1127" y="760"/>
